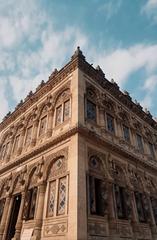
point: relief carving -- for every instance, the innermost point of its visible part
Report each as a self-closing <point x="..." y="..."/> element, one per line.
<point x="55" y="229"/>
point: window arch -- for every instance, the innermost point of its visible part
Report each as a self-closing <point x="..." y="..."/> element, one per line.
<point x="62" y="110"/>
<point x="98" y="188"/>
<point x="57" y="188"/>
<point x="5" y="148"/>
<point x="31" y="196"/>
<point x="91" y="105"/>
<point x="43" y="121"/>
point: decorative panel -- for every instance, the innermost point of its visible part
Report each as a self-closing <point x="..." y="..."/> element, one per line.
<point x="98" y="228"/>
<point x="58" y="167"/>
<point x="55" y="229"/>
<point x="62" y="196"/>
<point x="51" y="199"/>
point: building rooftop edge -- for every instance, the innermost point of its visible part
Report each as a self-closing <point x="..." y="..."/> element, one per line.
<point x="56" y="76"/>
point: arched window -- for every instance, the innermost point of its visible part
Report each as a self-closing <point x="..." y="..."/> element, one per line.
<point x="57" y="193"/>
<point x="121" y="193"/>
<point x="31" y="196"/>
<point x="97" y="187"/>
<point x="5" y="147"/>
<point x="91" y="106"/>
<point x="43" y="121"/>
<point x="62" y="107"/>
<point x="16" y="142"/>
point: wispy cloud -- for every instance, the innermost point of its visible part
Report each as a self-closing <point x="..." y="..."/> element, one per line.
<point x="122" y="62"/>
<point x="150" y="9"/>
<point x="110" y="8"/>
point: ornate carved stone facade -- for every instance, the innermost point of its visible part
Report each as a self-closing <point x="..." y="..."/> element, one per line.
<point x="78" y="161"/>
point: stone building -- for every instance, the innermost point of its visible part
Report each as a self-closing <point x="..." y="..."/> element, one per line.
<point x="78" y="161"/>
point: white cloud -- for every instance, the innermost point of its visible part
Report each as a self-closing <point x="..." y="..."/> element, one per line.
<point x="150" y="9"/>
<point x="4" y="108"/>
<point x="122" y="62"/>
<point x="150" y="86"/>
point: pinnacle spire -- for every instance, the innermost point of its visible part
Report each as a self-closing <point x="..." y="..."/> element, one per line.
<point x="78" y="53"/>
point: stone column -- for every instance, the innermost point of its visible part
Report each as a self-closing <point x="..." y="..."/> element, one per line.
<point x="134" y="218"/>
<point x="34" y="134"/>
<point x="19" y="219"/>
<point x="39" y="212"/>
<point x="101" y="118"/>
<point x="4" y="216"/>
<point x="50" y="123"/>
<point x="8" y="208"/>
<point x="152" y="221"/>
<point x="111" y="206"/>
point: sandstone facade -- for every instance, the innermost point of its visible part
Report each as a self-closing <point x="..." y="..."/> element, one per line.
<point x="78" y="161"/>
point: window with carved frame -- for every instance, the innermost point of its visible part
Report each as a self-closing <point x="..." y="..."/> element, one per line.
<point x="110" y="123"/>
<point x="57" y="197"/>
<point x="126" y="133"/>
<point x="63" y="107"/>
<point x="28" y="136"/>
<point x="140" y="207"/>
<point x="2" y="203"/>
<point x="121" y="201"/>
<point x="30" y="203"/>
<point x="139" y="142"/>
<point x="151" y="149"/>
<point x="154" y="207"/>
<point x="97" y="201"/>
<point x="62" y="110"/>
<point x="57" y="189"/>
<point x="97" y="187"/>
<point x="4" y="150"/>
<point x="16" y="143"/>
<point x="90" y="106"/>
<point x="43" y="121"/>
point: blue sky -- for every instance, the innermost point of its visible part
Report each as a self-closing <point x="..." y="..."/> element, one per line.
<point x="37" y="36"/>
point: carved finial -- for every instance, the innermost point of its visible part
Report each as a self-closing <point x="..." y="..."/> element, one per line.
<point x="98" y="68"/>
<point x="137" y="103"/>
<point x="7" y="115"/>
<point x="78" y="53"/>
<point x="53" y="73"/>
<point x="126" y="93"/>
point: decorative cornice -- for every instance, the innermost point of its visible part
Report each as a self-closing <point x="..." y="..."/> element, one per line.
<point x="98" y="140"/>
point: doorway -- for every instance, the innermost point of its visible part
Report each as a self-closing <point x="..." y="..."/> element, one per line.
<point x="13" y="217"/>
